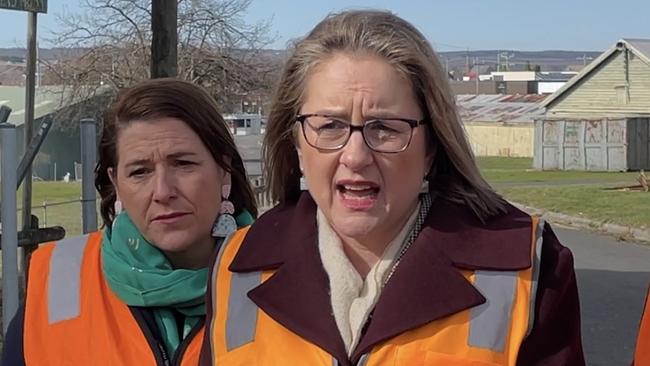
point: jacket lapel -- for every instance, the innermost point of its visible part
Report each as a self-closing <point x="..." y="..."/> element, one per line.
<point x="297" y="295"/>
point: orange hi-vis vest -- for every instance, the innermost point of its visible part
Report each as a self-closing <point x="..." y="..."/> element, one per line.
<point x="642" y="354"/>
<point x="488" y="334"/>
<point x="73" y="318"/>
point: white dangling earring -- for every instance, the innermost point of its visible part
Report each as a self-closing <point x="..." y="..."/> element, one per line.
<point x="117" y="207"/>
<point x="303" y="181"/>
<point x="303" y="184"/>
<point x="225" y="223"/>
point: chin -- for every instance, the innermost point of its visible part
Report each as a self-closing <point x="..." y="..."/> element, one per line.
<point x="173" y="242"/>
<point x="355" y="227"/>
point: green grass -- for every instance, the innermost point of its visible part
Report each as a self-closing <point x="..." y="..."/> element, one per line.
<point x="593" y="202"/>
<point x="519" y="170"/>
<point x="487" y="163"/>
<point x="576" y="193"/>
<point x="52" y="194"/>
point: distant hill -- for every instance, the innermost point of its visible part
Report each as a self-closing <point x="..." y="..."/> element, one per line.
<point x="517" y="60"/>
<point x="17" y="54"/>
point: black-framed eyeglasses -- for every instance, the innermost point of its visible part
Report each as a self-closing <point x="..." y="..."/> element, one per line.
<point x="386" y="135"/>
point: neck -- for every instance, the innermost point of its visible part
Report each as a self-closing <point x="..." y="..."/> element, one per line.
<point x="197" y="257"/>
<point x="361" y="257"/>
<point x="365" y="252"/>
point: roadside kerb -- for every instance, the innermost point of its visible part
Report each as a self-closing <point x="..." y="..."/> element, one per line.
<point x="620" y="231"/>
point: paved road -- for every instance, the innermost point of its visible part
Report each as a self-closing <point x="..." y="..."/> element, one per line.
<point x="613" y="278"/>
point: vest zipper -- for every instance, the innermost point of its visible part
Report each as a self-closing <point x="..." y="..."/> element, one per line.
<point x="157" y="348"/>
<point x="180" y="351"/>
<point x="163" y="354"/>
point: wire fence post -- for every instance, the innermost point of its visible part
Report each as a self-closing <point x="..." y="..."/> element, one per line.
<point x="88" y="162"/>
<point x="9" y="217"/>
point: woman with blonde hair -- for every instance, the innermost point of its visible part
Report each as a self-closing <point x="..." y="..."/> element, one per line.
<point x="387" y="246"/>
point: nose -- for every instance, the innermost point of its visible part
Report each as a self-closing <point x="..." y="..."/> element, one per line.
<point x="164" y="188"/>
<point x="356" y="154"/>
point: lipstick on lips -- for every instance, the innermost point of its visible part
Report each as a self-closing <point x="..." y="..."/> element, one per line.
<point x="358" y="195"/>
<point x="170" y="218"/>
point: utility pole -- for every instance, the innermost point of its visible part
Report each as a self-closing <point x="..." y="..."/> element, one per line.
<point x="584" y="59"/>
<point x="30" y="91"/>
<point x="505" y="56"/>
<point x="164" y="40"/>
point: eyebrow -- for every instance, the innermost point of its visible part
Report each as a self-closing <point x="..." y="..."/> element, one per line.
<point x="371" y="115"/>
<point x="181" y="154"/>
<point x="175" y="155"/>
<point x="381" y="113"/>
<point x="331" y="112"/>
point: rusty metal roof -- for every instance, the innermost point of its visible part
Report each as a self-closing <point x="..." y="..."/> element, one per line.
<point x="500" y="107"/>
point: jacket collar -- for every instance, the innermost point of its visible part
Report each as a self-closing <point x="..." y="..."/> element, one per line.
<point x="427" y="285"/>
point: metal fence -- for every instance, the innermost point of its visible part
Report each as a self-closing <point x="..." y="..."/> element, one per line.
<point x="67" y="214"/>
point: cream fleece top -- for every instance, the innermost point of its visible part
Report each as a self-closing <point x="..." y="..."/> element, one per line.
<point x="353" y="297"/>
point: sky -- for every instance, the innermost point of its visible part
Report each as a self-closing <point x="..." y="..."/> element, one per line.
<point x="450" y="25"/>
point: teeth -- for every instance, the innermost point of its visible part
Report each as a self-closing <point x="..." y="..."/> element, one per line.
<point x="357" y="188"/>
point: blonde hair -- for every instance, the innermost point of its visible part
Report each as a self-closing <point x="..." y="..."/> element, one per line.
<point x="453" y="174"/>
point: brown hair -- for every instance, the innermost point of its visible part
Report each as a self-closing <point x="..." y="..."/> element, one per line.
<point x="453" y="174"/>
<point x="171" y="98"/>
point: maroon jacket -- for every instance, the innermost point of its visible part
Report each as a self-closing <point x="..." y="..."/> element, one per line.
<point x="285" y="238"/>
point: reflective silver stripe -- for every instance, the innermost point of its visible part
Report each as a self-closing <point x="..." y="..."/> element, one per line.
<point x="64" y="279"/>
<point x="242" y="312"/>
<point x="537" y="257"/>
<point x="363" y="360"/>
<point x="215" y="271"/>
<point x="489" y="322"/>
<point x="335" y="362"/>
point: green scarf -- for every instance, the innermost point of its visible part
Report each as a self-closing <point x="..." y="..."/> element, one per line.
<point x="141" y="275"/>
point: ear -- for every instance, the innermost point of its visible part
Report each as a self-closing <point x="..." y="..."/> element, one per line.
<point x="297" y="132"/>
<point x="225" y="175"/>
<point x="112" y="175"/>
<point x="299" y="153"/>
<point x="299" y="159"/>
<point x="428" y="161"/>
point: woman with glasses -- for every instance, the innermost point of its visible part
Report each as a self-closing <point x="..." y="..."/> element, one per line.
<point x="387" y="246"/>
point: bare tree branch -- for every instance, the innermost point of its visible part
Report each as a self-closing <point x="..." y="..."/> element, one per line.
<point x="110" y="48"/>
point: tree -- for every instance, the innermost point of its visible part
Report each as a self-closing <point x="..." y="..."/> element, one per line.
<point x="107" y="47"/>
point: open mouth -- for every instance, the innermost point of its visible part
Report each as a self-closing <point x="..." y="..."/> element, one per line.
<point x="358" y="195"/>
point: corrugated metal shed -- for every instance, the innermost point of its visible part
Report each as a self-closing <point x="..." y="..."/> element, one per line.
<point x="599" y="119"/>
<point x="500" y="108"/>
<point x="47" y="100"/>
